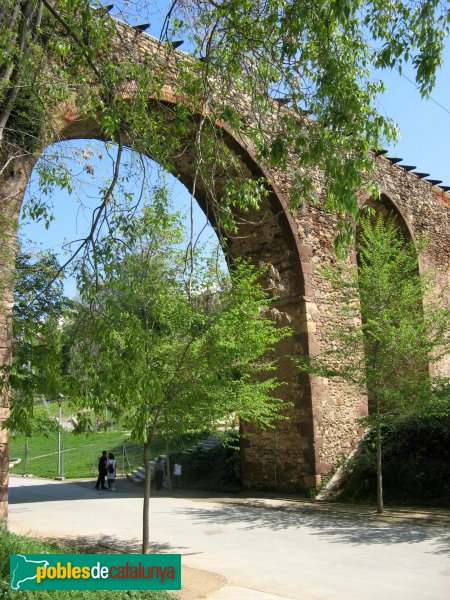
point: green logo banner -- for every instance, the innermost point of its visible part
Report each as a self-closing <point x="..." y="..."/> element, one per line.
<point x="95" y="571"/>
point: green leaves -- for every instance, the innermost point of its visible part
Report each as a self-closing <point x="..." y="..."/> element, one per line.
<point x="38" y="210"/>
<point x="318" y="56"/>
<point x="411" y="32"/>
<point x="164" y="357"/>
<point x="39" y="354"/>
<point x="54" y="173"/>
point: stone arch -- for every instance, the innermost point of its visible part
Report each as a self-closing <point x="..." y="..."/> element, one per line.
<point x="267" y="236"/>
<point x="388" y="208"/>
<point x="323" y="426"/>
<point x="283" y="459"/>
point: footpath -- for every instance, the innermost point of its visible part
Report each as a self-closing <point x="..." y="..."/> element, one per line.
<point x="250" y="547"/>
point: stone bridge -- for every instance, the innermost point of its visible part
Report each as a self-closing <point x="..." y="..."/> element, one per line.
<point x="323" y="423"/>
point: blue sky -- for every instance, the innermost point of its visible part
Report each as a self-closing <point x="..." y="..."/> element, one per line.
<point x="424" y="124"/>
<point x="425" y="135"/>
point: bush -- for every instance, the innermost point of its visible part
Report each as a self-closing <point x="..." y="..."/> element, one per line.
<point x="416" y="464"/>
<point x="17" y="544"/>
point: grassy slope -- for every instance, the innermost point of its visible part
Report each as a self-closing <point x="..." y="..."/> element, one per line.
<point x="81" y="453"/>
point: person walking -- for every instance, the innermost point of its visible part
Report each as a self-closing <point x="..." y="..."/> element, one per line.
<point x="111" y="472"/>
<point x="177" y="475"/>
<point x="102" y="471"/>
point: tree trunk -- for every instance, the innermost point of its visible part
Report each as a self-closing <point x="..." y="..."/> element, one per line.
<point x="145" y="514"/>
<point x="380" y="507"/>
<point x="13" y="182"/>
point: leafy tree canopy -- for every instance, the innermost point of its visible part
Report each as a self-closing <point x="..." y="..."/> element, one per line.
<point x="168" y="353"/>
<point x="317" y="57"/>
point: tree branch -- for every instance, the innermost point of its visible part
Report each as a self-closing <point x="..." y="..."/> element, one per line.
<point x="89" y="239"/>
<point x="74" y="36"/>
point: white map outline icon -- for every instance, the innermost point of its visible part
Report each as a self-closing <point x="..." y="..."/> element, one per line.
<point x="45" y="563"/>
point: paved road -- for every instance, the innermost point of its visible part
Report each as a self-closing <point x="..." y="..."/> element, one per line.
<point x="266" y="549"/>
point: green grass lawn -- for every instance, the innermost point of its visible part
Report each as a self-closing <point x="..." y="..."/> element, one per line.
<point x="81" y="453"/>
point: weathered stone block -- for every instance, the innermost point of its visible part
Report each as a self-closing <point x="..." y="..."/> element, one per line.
<point x="4" y="458"/>
<point x="3" y="493"/>
<point x="4" y="435"/>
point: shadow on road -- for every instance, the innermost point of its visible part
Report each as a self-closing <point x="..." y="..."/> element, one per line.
<point x="355" y="526"/>
<point x="333" y="524"/>
<point x="104" y="544"/>
<point x="24" y="490"/>
<point x="20" y="491"/>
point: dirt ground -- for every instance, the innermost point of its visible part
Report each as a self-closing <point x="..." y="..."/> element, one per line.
<point x="199" y="584"/>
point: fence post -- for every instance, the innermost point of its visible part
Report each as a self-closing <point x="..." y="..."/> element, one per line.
<point x="62" y="450"/>
<point x="123" y="460"/>
<point x="59" y="438"/>
<point x="127" y="457"/>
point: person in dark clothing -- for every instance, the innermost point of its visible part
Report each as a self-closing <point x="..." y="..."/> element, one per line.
<point x="102" y="471"/>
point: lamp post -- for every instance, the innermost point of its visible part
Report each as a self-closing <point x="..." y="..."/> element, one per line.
<point x="60" y="475"/>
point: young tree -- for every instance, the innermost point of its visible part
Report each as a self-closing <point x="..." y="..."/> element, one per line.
<point x="167" y="356"/>
<point x="391" y="325"/>
<point x="38" y="365"/>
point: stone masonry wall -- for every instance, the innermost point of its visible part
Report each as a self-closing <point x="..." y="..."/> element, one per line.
<point x="423" y="210"/>
<point x="335" y="406"/>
